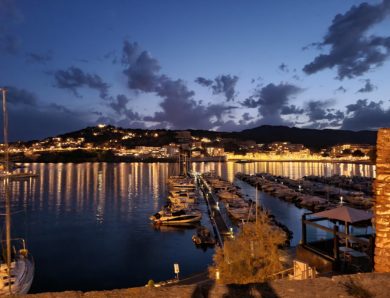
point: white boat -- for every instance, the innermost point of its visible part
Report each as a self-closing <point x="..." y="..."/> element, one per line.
<point x="17" y="266"/>
<point x="180" y="197"/>
<point x="180" y="217"/>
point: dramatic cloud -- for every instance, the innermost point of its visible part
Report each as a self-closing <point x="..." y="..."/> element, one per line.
<point x="181" y="111"/>
<point x="351" y="51"/>
<point x="179" y="108"/>
<point x="141" y="68"/>
<point x="271" y="100"/>
<point x="74" y="78"/>
<point x="17" y="97"/>
<point x="318" y="110"/>
<point x="363" y="115"/>
<point x="368" y="87"/>
<point x="41" y="58"/>
<point x="204" y="82"/>
<point x="119" y="105"/>
<point x="225" y="84"/>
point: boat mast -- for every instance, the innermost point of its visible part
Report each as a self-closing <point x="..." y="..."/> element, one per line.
<point x="6" y="187"/>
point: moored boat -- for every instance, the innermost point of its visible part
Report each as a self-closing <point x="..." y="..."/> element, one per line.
<point x="180" y="217"/>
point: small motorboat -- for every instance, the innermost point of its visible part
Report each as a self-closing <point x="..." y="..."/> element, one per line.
<point x="203" y="237"/>
<point x="178" y="217"/>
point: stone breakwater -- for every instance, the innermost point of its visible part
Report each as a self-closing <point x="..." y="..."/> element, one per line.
<point x="357" y="285"/>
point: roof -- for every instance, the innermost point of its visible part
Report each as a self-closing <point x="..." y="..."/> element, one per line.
<point x="346" y="214"/>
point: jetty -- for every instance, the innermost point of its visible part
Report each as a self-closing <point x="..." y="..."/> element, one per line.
<point x="219" y="221"/>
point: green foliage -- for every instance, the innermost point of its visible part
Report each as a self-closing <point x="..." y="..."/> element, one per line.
<point x="253" y="256"/>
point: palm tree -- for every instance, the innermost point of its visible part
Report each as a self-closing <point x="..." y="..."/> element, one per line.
<point x="382" y="202"/>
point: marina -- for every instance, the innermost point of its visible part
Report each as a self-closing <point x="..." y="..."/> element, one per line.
<point x="105" y="208"/>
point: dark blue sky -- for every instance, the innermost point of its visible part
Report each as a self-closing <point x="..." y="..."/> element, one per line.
<point x="222" y="65"/>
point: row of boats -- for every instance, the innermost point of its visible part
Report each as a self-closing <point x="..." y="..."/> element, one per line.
<point x="238" y="208"/>
<point x="181" y="208"/>
<point x="311" y="195"/>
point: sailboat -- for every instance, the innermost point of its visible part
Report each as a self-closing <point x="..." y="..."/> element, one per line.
<point x="16" y="263"/>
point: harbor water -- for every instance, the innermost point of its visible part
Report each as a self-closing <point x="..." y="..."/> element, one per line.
<point x="87" y="225"/>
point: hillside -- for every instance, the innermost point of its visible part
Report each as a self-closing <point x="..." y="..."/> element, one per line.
<point x="311" y="138"/>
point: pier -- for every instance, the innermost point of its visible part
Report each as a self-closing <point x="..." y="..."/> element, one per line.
<point x="217" y="218"/>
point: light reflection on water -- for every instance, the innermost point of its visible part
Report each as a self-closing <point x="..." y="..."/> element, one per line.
<point x="294" y="170"/>
<point x="87" y="224"/>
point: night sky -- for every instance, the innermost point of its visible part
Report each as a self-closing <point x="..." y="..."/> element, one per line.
<point x="221" y="65"/>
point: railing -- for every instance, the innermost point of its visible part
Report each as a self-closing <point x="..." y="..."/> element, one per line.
<point x="282" y="274"/>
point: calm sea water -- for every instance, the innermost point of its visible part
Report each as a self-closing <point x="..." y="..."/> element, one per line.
<point x="87" y="224"/>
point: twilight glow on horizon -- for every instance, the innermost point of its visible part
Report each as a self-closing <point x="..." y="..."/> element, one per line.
<point x="217" y="64"/>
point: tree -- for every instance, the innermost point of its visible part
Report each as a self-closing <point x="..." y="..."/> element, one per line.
<point x="253" y="256"/>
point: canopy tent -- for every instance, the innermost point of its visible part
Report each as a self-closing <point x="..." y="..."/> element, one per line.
<point x="346" y="214"/>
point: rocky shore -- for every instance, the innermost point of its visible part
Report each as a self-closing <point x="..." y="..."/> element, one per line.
<point x="357" y="285"/>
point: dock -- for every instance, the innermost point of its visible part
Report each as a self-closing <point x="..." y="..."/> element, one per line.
<point x="217" y="218"/>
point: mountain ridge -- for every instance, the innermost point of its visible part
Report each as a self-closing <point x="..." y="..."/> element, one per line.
<point x="311" y="138"/>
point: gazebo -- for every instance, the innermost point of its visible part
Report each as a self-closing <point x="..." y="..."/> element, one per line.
<point x="345" y="214"/>
<point x="325" y="254"/>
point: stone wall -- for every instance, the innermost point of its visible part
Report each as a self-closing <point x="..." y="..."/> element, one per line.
<point x="358" y="285"/>
<point x="382" y="202"/>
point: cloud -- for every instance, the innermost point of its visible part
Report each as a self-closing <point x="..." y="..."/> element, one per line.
<point x="318" y="110"/>
<point x="291" y="109"/>
<point x="112" y="56"/>
<point x="74" y="78"/>
<point x="30" y="119"/>
<point x="246" y="117"/>
<point x="222" y="84"/>
<point x="119" y="105"/>
<point x="204" y="82"/>
<point x="271" y="100"/>
<point x="225" y="84"/>
<point x="283" y="67"/>
<point x="341" y="89"/>
<point x="363" y="115"/>
<point x="17" y="97"/>
<point x="368" y="87"/>
<point x="142" y="70"/>
<point x="351" y="51"/>
<point x="40" y="58"/>
<point x="179" y="109"/>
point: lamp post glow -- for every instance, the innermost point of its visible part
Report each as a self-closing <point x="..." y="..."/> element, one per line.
<point x="176" y="269"/>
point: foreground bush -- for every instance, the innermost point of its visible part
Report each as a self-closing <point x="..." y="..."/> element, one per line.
<point x="254" y="255"/>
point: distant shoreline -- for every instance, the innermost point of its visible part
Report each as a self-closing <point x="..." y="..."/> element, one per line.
<point x="174" y="160"/>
